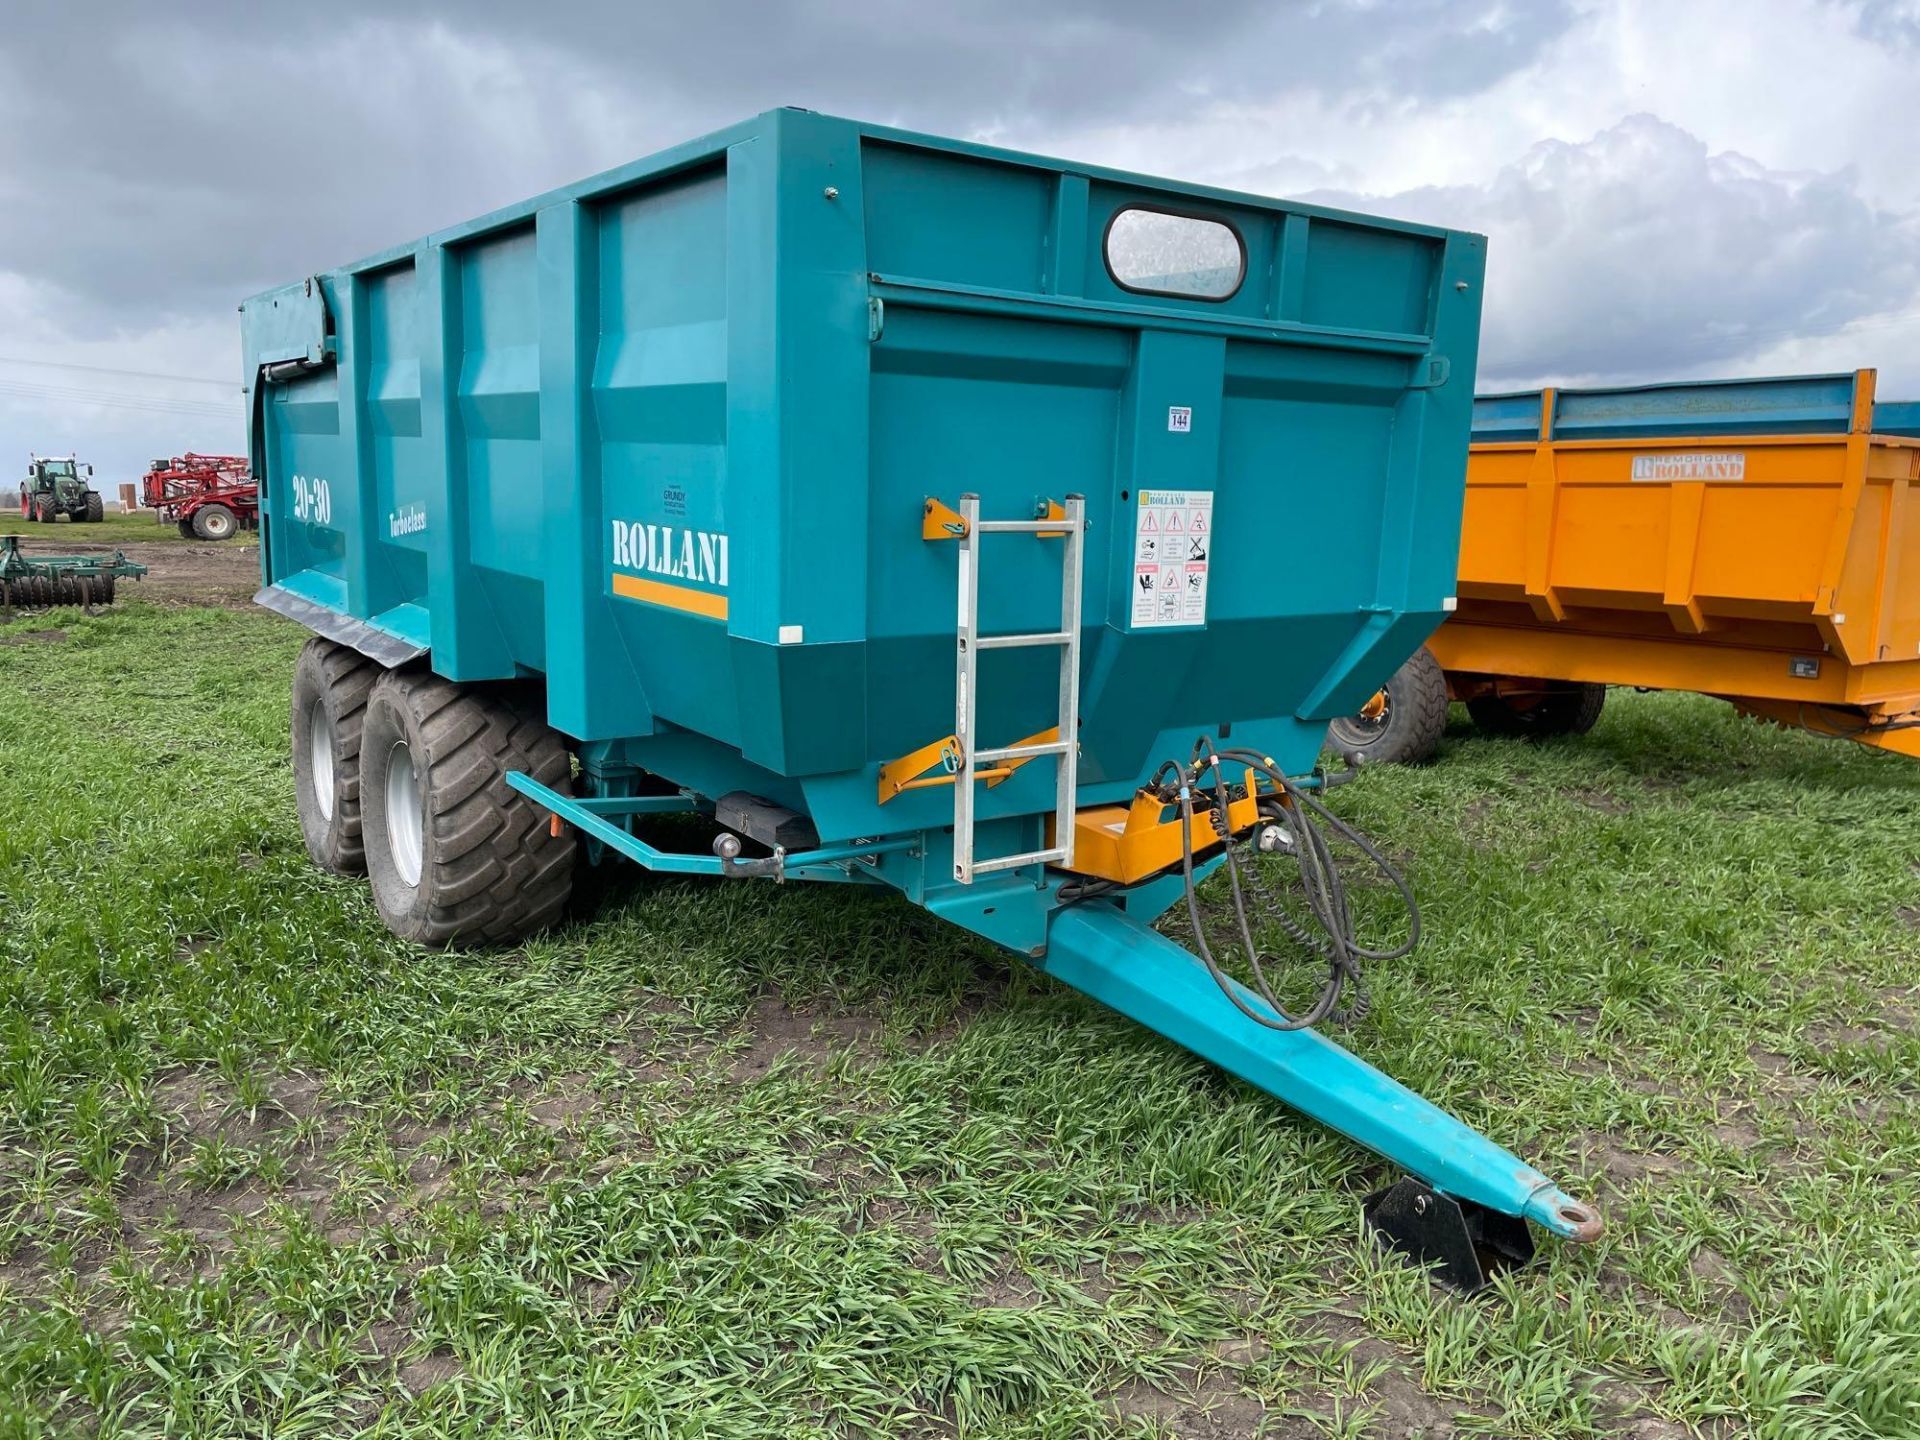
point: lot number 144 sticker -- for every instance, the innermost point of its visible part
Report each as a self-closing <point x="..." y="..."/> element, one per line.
<point x="1172" y="553"/>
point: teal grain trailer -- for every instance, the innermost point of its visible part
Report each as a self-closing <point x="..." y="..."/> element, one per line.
<point x="934" y="516"/>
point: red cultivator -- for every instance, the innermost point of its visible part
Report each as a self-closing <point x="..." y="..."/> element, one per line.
<point x="208" y="496"/>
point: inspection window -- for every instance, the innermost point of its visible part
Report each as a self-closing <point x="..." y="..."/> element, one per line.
<point x="1162" y="252"/>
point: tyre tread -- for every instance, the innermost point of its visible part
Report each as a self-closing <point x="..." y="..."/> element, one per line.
<point x="497" y="874"/>
<point x="1416" y="719"/>
<point x="347" y="677"/>
<point x="1573" y="710"/>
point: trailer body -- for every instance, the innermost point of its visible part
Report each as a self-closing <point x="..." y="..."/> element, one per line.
<point x="1753" y="540"/>
<point x="625" y="438"/>
<point x="906" y="503"/>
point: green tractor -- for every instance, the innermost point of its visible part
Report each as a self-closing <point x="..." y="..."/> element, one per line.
<point x="59" y="487"/>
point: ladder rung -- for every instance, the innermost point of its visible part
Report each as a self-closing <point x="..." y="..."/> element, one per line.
<point x="1068" y="525"/>
<point x="1020" y="642"/>
<point x="1055" y="856"/>
<point x="1019" y="752"/>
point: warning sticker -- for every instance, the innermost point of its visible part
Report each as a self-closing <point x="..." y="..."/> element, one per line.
<point x="1173" y="541"/>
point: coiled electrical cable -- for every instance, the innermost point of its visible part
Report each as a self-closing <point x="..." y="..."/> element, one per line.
<point x="1330" y="931"/>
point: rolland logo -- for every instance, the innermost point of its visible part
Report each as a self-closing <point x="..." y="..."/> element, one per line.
<point x="682" y="554"/>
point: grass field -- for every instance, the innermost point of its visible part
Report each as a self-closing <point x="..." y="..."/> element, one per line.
<point x="116" y="529"/>
<point x="745" y="1160"/>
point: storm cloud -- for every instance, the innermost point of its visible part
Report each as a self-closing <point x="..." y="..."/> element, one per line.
<point x="1639" y="252"/>
<point x="1660" y="200"/>
<point x="257" y="141"/>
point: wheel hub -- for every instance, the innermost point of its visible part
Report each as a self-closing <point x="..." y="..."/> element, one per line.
<point x="320" y="757"/>
<point x="406" y="828"/>
<point x="1366" y="724"/>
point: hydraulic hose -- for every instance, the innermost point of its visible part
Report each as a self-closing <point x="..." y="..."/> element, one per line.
<point x="1331" y="932"/>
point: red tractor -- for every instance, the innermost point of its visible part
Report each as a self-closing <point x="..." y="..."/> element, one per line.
<point x="208" y="496"/>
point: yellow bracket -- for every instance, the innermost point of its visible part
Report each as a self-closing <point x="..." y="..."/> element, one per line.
<point x="1127" y="844"/>
<point x="910" y="772"/>
<point x="940" y="521"/>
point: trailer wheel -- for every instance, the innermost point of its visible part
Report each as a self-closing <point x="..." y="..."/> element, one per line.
<point x="1570" y="710"/>
<point x="96" y="508"/>
<point x="1403" y="722"/>
<point x="455" y="855"/>
<point x="330" y="688"/>
<point x="214" y="522"/>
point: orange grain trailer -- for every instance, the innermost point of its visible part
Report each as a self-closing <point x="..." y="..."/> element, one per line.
<point x="1754" y="540"/>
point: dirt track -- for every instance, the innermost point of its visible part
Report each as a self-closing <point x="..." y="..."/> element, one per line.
<point x="179" y="572"/>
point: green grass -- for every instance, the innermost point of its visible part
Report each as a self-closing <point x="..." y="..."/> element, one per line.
<point x="266" y="1171"/>
<point x="115" y="529"/>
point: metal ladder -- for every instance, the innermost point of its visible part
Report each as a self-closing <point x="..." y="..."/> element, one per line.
<point x="1065" y="746"/>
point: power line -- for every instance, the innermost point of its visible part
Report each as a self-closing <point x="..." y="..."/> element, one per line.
<point x="69" y="395"/>
<point x="140" y="404"/>
<point x="108" y="370"/>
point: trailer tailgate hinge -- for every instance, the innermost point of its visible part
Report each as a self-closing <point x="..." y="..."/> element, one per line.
<point x="876" y="317"/>
<point x="1431" y="373"/>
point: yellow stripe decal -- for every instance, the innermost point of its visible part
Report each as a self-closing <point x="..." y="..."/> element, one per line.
<point x="674" y="597"/>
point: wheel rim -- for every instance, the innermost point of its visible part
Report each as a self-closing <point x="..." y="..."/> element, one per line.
<point x="320" y="757"/>
<point x="217" y="525"/>
<point x="1368" y="723"/>
<point x="405" y="828"/>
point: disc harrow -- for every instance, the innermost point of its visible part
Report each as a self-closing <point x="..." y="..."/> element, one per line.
<point x="40" y="582"/>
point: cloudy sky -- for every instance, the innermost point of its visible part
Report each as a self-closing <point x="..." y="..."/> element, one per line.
<point x="1671" y="187"/>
